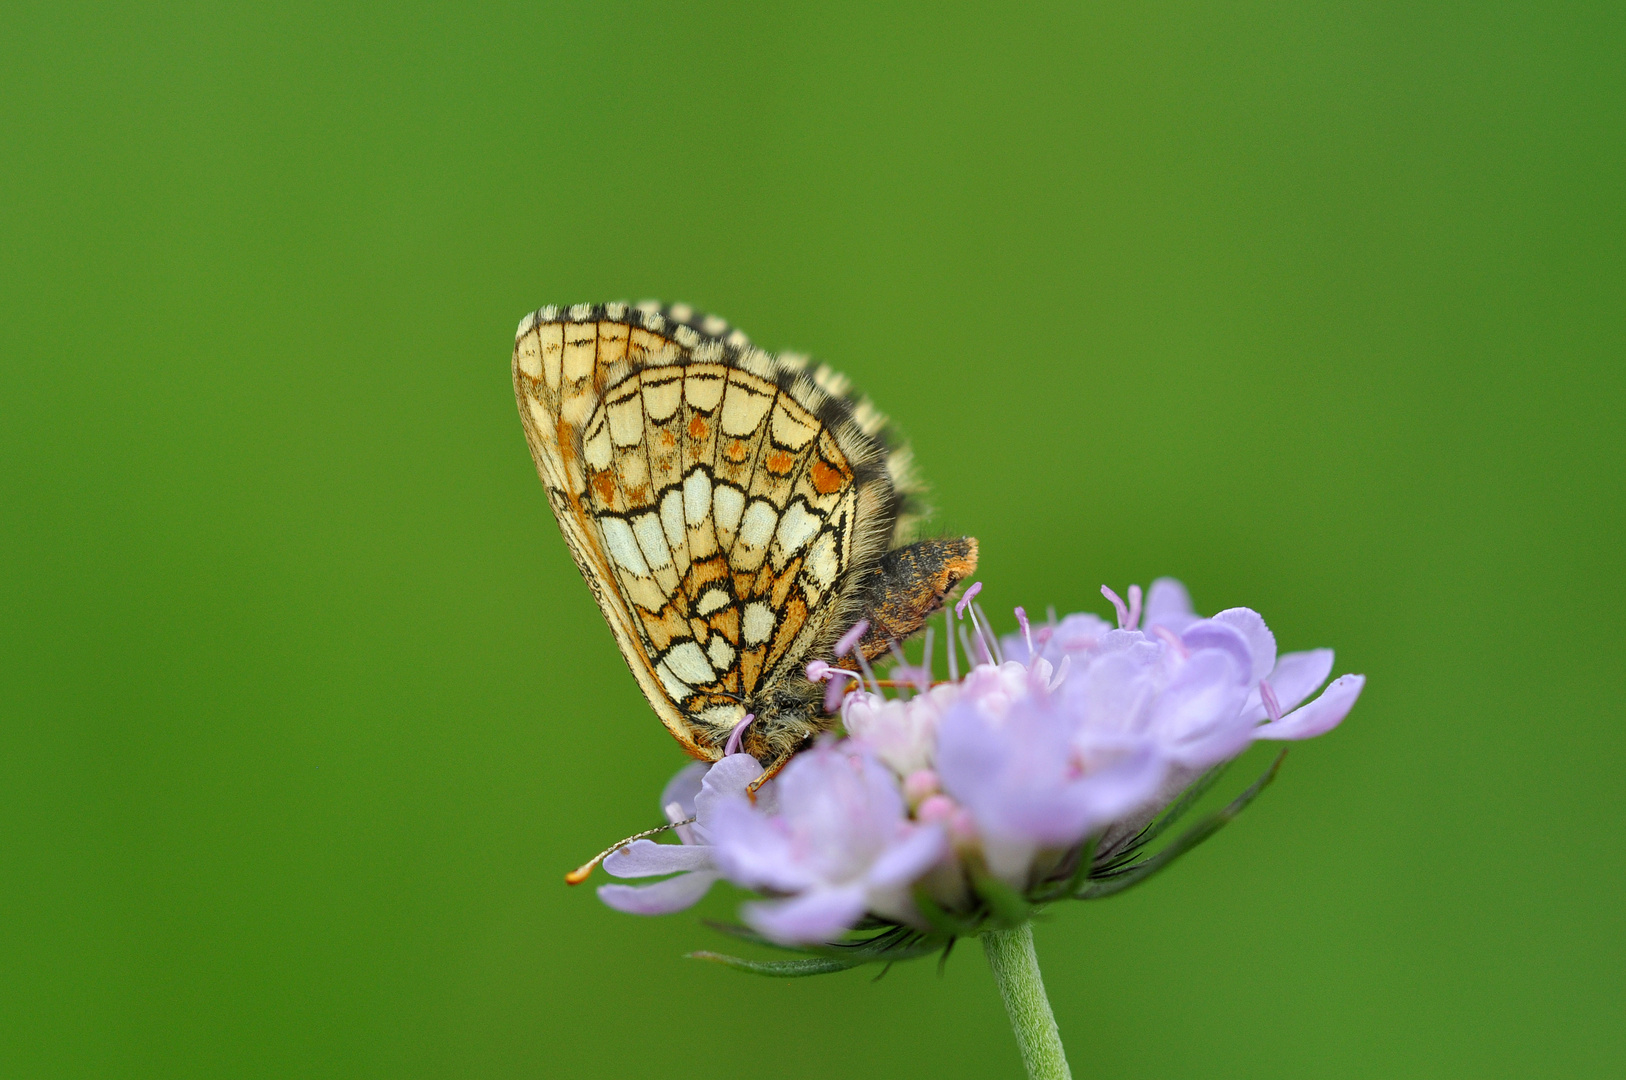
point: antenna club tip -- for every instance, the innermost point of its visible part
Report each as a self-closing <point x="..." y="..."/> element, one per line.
<point x="580" y="874"/>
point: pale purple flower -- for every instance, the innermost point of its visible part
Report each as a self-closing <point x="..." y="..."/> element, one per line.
<point x="1194" y="726"/>
<point x="1018" y="769"/>
<point x="1084" y="729"/>
<point x="695" y="792"/>
<point x="840" y="844"/>
<point x="1290" y="677"/>
<point x="1130" y="719"/>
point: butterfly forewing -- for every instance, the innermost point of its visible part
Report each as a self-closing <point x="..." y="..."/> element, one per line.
<point x="717" y="500"/>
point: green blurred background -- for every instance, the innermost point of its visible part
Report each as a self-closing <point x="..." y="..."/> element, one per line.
<point x="1318" y="307"/>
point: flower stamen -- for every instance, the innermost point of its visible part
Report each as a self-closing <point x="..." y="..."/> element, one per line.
<point x="1128" y="614"/>
<point x="732" y="747"/>
<point x="1273" y="707"/>
<point x="851" y="637"/>
<point x="822" y="670"/>
<point x="991" y="638"/>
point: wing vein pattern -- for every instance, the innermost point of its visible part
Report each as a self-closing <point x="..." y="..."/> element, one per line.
<point x="720" y="502"/>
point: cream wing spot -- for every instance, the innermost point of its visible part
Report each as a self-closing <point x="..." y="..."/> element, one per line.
<point x="722" y="717"/>
<point x="796" y="528"/>
<point x="627" y="421"/>
<point x="551" y="338"/>
<point x="823" y="564"/>
<point x="661" y="400"/>
<point x="623" y="546"/>
<point x="676" y="688"/>
<point x="703" y="392"/>
<point x="529" y="351"/>
<point x="612" y="343"/>
<point x="758" y="623"/>
<point x="596" y="447"/>
<point x="728" y="503"/>
<point x="712" y="600"/>
<point x="696" y="497"/>
<point x="720" y="652"/>
<point x="646" y="592"/>
<point x="792" y="431"/>
<point x="688" y="663"/>
<point x="539" y="413"/>
<point x="580" y="350"/>
<point x="672" y="517"/>
<point x="744" y="409"/>
<point x="647" y="528"/>
<point x="632" y="467"/>
<point x="756" y="529"/>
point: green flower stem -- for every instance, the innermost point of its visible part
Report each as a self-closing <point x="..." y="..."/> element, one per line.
<point x="1016" y="969"/>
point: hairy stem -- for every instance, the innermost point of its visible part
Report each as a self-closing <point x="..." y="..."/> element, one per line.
<point x="1016" y="969"/>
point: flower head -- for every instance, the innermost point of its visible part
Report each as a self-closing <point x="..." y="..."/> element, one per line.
<point x="1038" y="770"/>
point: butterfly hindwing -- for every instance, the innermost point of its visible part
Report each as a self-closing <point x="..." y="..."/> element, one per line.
<point x="723" y="505"/>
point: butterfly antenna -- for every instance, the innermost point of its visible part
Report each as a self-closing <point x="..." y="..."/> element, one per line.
<point x="585" y="870"/>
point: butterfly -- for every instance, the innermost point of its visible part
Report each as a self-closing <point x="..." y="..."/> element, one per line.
<point x="735" y="513"/>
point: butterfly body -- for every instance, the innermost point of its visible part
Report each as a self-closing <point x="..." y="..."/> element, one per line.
<point x="733" y="512"/>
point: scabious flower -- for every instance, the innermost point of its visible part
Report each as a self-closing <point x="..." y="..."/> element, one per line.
<point x="960" y="806"/>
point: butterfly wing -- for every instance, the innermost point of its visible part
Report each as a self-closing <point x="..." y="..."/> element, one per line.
<point x="720" y="502"/>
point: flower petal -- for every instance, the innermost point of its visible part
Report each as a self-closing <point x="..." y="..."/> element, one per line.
<point x="1079" y="632"/>
<point x="1126" y="784"/>
<point x="908" y="859"/>
<point x="661" y="898"/>
<point x="645" y="858"/>
<point x="812" y="917"/>
<point x="1261" y="642"/>
<point x="1198" y="718"/>
<point x="751" y="851"/>
<point x="730" y="776"/>
<point x="1297" y="674"/>
<point x="1207" y="634"/>
<point x="683" y="787"/>
<point x="1168" y="605"/>
<point x="724" y="782"/>
<point x="1321" y="715"/>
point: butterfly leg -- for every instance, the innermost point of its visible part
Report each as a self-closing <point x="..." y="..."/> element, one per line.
<point x="768" y="774"/>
